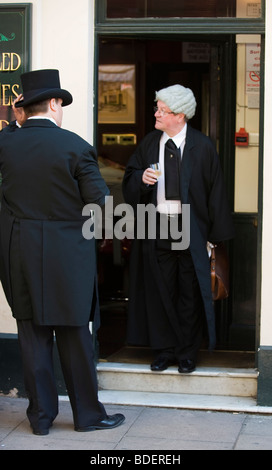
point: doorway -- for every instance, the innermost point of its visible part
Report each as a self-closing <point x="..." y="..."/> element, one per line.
<point x="129" y="72"/>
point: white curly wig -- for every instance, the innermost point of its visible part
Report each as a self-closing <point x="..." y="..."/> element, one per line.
<point x="179" y="99"/>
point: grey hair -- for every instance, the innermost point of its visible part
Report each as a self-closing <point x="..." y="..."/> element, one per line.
<point x="179" y="99"/>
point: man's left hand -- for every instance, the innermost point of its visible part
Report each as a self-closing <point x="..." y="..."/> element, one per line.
<point x="19" y="113"/>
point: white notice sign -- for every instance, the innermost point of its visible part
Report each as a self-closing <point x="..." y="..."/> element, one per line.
<point x="253" y="59"/>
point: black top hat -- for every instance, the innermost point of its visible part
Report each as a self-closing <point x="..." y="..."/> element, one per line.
<point x="40" y="85"/>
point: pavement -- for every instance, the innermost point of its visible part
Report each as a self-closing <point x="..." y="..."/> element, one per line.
<point x="163" y="433"/>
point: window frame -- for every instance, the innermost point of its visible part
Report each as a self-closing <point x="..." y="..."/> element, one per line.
<point x="210" y="26"/>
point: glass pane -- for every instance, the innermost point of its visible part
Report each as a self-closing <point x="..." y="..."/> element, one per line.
<point x="116" y="89"/>
<point x="183" y="9"/>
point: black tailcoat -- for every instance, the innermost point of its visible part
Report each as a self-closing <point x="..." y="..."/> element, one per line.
<point x="49" y="174"/>
<point x="201" y="186"/>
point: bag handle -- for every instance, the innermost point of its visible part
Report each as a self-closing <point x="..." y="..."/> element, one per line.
<point x="213" y="277"/>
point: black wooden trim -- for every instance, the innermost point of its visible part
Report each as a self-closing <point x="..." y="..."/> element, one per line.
<point x="264" y="392"/>
<point x="189" y="27"/>
<point x="242" y="301"/>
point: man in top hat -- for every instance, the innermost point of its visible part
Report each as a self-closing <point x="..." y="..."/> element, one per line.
<point x="170" y="283"/>
<point x="47" y="267"/>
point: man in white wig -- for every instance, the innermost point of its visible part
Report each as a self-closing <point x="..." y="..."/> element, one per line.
<point x="170" y="284"/>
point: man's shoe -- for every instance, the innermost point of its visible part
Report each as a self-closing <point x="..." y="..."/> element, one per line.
<point x="41" y="432"/>
<point x="161" y="363"/>
<point x="186" y="366"/>
<point x="107" y="423"/>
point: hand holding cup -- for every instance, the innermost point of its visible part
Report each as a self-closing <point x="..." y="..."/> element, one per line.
<point x="152" y="174"/>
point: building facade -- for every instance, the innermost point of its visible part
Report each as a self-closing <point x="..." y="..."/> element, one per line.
<point x="112" y="55"/>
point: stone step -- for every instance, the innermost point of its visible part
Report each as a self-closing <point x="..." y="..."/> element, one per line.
<point x="183" y="401"/>
<point x="215" y="381"/>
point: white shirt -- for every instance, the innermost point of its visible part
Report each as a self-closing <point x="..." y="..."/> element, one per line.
<point x="43" y="117"/>
<point x="168" y="206"/>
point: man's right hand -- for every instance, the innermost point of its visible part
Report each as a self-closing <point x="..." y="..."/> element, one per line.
<point x="149" y="176"/>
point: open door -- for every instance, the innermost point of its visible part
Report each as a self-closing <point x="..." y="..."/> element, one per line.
<point x="129" y="73"/>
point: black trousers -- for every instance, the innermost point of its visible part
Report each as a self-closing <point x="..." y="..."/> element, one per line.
<point x="179" y="275"/>
<point x="76" y="353"/>
<point x="77" y="361"/>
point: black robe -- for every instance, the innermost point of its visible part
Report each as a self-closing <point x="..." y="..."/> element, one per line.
<point x="202" y="186"/>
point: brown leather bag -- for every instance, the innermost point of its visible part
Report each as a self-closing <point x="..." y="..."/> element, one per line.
<point x="219" y="271"/>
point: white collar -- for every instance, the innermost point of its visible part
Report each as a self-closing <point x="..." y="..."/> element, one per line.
<point x="43" y="117"/>
<point x="178" y="138"/>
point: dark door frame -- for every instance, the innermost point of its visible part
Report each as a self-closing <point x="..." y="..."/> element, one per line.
<point x="214" y="30"/>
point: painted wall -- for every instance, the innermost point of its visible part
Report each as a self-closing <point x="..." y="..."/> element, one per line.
<point x="247" y="117"/>
<point x="266" y="304"/>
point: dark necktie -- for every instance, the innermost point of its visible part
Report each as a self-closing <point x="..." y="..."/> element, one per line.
<point x="171" y="170"/>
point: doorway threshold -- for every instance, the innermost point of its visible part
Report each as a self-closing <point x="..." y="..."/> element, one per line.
<point x="216" y="358"/>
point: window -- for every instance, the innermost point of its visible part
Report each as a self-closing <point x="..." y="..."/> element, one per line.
<point x="183" y="9"/>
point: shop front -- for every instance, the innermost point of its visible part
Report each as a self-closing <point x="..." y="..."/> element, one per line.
<point x="204" y="48"/>
<point x="125" y="51"/>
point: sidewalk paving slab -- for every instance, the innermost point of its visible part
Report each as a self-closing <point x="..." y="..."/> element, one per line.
<point x="146" y="429"/>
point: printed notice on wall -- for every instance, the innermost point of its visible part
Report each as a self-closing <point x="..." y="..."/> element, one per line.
<point x="253" y="56"/>
<point x="254" y="9"/>
<point x="195" y="52"/>
<point x="253" y="60"/>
